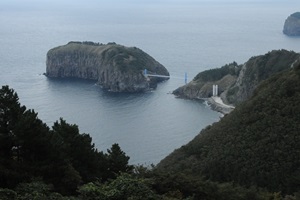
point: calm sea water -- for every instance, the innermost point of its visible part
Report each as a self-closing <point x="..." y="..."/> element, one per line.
<point x="184" y="35"/>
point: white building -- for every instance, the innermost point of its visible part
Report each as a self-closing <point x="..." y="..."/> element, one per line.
<point x="215" y="90"/>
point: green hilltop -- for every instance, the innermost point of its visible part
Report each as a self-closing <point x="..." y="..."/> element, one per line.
<point x="115" y="67"/>
<point x="110" y="52"/>
<point x="257" y="144"/>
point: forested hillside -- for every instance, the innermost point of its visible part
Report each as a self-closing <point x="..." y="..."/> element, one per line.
<point x="252" y="153"/>
<point x="60" y="163"/>
<point x="258" y="144"/>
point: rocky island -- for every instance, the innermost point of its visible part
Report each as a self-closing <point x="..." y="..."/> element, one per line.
<point x="236" y="83"/>
<point x="115" y="67"/>
<point x="292" y="25"/>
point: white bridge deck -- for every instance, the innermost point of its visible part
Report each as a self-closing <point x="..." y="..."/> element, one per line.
<point x="164" y="76"/>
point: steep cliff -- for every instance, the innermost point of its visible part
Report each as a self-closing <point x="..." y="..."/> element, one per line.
<point x="292" y="25"/>
<point x="115" y="67"/>
<point x="237" y="82"/>
<point x="257" y="69"/>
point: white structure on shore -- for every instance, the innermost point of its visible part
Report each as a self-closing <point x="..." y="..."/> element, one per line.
<point x="215" y="90"/>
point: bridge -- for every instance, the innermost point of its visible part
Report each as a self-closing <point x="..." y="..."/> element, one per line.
<point x="164" y="76"/>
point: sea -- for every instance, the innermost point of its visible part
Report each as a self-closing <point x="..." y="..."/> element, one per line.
<point x="186" y="36"/>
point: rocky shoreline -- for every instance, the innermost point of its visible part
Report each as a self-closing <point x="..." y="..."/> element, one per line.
<point x="236" y="83"/>
<point x="217" y="104"/>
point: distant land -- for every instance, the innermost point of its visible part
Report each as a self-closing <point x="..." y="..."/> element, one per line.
<point x="115" y="67"/>
<point x="292" y="25"/>
<point x="236" y="83"/>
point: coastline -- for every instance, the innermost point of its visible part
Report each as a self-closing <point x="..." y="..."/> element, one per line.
<point x="218" y="105"/>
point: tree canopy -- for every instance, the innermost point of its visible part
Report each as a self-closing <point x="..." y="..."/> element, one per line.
<point x="252" y="153"/>
<point x="60" y="156"/>
<point x="257" y="144"/>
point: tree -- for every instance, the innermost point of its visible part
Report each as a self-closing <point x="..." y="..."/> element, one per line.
<point x="80" y="151"/>
<point x="23" y="140"/>
<point x="62" y="156"/>
<point x="10" y="111"/>
<point x="125" y="186"/>
<point x="31" y="141"/>
<point x="11" y="118"/>
<point x="7" y="194"/>
<point x="117" y="161"/>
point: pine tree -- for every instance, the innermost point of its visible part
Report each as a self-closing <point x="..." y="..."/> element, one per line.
<point x="117" y="161"/>
<point x="10" y="111"/>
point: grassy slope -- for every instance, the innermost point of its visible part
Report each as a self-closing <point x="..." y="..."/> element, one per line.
<point x="257" y="144"/>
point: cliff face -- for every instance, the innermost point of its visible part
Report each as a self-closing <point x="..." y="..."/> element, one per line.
<point x="237" y="82"/>
<point x="257" y="69"/>
<point x="292" y="25"/>
<point x="116" y="68"/>
<point x="201" y="86"/>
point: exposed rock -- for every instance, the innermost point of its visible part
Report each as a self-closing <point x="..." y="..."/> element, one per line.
<point x="115" y="67"/>
<point x="237" y="82"/>
<point x="201" y="86"/>
<point x="292" y="25"/>
<point x="196" y="90"/>
<point x="256" y="70"/>
<point x="217" y="104"/>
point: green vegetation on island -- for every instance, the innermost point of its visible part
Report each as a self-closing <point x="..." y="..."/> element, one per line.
<point x="115" y="67"/>
<point x="218" y="73"/>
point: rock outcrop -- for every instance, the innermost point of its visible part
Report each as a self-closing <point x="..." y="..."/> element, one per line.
<point x="256" y="70"/>
<point x="115" y="67"/>
<point x="201" y="86"/>
<point x="237" y="82"/>
<point x="292" y="25"/>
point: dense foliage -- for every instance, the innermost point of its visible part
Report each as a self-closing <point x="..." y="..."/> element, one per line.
<point x="257" y="69"/>
<point x="61" y="156"/>
<point x="261" y="67"/>
<point x="218" y="73"/>
<point x="250" y="152"/>
<point x="258" y="144"/>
